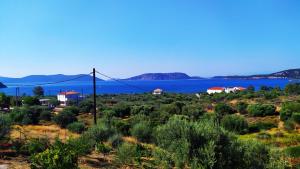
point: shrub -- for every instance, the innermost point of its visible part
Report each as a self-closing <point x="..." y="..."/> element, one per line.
<point x="77" y="127"/>
<point x="292" y="89"/>
<point x="64" y="118"/>
<point x="100" y="132"/>
<point x="260" y="110"/>
<point x="142" y="131"/>
<point x="37" y="145"/>
<point x="241" y="107"/>
<point x="4" y="125"/>
<point x="26" y="115"/>
<point x="296" y="117"/>
<point x="293" y="151"/>
<point x="256" y="127"/>
<point x="263" y="135"/>
<point x="82" y="145"/>
<point x="102" y="148"/>
<point x="86" y="106"/>
<point x="127" y="154"/>
<point x="289" y="125"/>
<point x="116" y="140"/>
<point x="193" y="111"/>
<point x="45" y="115"/>
<point x="72" y="109"/>
<point x="235" y="123"/>
<point x="122" y="110"/>
<point x="30" y="101"/>
<point x="288" y="108"/>
<point x="58" y="156"/>
<point x="223" y="109"/>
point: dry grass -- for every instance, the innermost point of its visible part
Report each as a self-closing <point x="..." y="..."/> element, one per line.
<point x="35" y="131"/>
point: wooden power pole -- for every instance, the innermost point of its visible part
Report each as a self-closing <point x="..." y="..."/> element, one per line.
<point x="95" y="95"/>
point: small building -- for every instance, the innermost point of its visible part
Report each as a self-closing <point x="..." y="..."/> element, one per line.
<point x="45" y="102"/>
<point x="214" y="90"/>
<point x="234" y="89"/>
<point x="65" y="98"/>
<point x="157" y="92"/>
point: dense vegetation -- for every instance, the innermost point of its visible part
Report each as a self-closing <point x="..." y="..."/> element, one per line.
<point x="166" y="131"/>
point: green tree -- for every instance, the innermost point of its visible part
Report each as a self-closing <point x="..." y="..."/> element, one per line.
<point x="4" y="125"/>
<point x="4" y="101"/>
<point x="64" y="118"/>
<point x="235" y="123"/>
<point x="38" y="91"/>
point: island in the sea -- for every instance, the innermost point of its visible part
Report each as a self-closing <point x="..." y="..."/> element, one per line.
<point x="2" y="85"/>
<point x="163" y="76"/>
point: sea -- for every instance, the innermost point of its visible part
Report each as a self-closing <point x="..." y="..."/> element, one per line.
<point x="133" y="87"/>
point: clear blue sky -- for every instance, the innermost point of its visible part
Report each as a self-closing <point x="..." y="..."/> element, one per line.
<point x="128" y="37"/>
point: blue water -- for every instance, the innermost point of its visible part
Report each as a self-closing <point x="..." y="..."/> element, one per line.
<point x="174" y="86"/>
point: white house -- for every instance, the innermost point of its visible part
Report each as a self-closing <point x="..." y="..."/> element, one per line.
<point x="234" y="89"/>
<point x="157" y="91"/>
<point x="214" y="90"/>
<point x="65" y="97"/>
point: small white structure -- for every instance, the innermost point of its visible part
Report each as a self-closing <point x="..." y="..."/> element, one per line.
<point x="234" y="89"/>
<point x="45" y="102"/>
<point x="65" y="97"/>
<point x="214" y="90"/>
<point x="157" y="91"/>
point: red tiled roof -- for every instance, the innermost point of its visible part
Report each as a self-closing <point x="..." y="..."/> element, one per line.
<point x="68" y="93"/>
<point x="217" y="88"/>
<point x="241" y="88"/>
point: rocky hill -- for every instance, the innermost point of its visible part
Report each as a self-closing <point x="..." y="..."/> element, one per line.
<point x="163" y="76"/>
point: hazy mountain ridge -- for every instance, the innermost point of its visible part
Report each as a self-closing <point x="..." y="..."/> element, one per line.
<point x="46" y="78"/>
<point x="2" y="85"/>
<point x="163" y="76"/>
<point x="285" y="74"/>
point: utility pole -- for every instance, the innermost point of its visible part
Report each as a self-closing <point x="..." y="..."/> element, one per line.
<point x="95" y="106"/>
<point x="17" y="96"/>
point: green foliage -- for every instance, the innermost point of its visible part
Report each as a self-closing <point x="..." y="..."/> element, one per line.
<point x="223" y="109"/>
<point x="235" y="123"/>
<point x="142" y="131"/>
<point x="45" y="115"/>
<point x="292" y="89"/>
<point x="27" y="115"/>
<point x="64" y="118"/>
<point x="288" y="108"/>
<point x="4" y="125"/>
<point x="293" y="151"/>
<point x="256" y="127"/>
<point x="4" y="101"/>
<point x="58" y="156"/>
<point x="122" y="110"/>
<point x="194" y="112"/>
<point x="86" y="106"/>
<point x="241" y="107"/>
<point x="289" y="125"/>
<point x="296" y="117"/>
<point x="72" y="109"/>
<point x="261" y="110"/>
<point x="36" y="145"/>
<point x="127" y="154"/>
<point x="102" y="148"/>
<point x="116" y="140"/>
<point x="77" y="127"/>
<point x="101" y="132"/>
<point x="38" y="91"/>
<point x="30" y="101"/>
<point x="82" y="145"/>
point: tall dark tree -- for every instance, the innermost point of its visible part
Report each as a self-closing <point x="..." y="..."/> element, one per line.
<point x="38" y="91"/>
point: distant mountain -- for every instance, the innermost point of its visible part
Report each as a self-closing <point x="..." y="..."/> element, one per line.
<point x="163" y="76"/>
<point x="2" y="85"/>
<point x="47" y="78"/>
<point x="286" y="74"/>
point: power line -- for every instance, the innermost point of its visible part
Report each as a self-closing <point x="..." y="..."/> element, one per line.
<point x="61" y="81"/>
<point x="122" y="82"/>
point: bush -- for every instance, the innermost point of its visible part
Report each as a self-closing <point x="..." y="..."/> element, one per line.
<point x="289" y="125"/>
<point x="82" y="145"/>
<point x="100" y="132"/>
<point x="263" y="135"/>
<point x="241" y="107"/>
<point x="293" y="151"/>
<point x="122" y="110"/>
<point x="223" y="109"/>
<point x="292" y="89"/>
<point x="77" y="127"/>
<point x="26" y="115"/>
<point x="64" y="118"/>
<point x="296" y="117"/>
<point x="86" y="106"/>
<point x="37" y="145"/>
<point x="127" y="154"/>
<point x="142" y="131"/>
<point x="58" y="156"/>
<point x="288" y="108"/>
<point x="102" y="148"/>
<point x="256" y="127"/>
<point x="116" y="140"/>
<point x="30" y="101"/>
<point x="235" y="123"/>
<point x="260" y="110"/>
<point x="45" y="115"/>
<point x="4" y="126"/>
<point x="194" y="112"/>
<point x="73" y="109"/>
